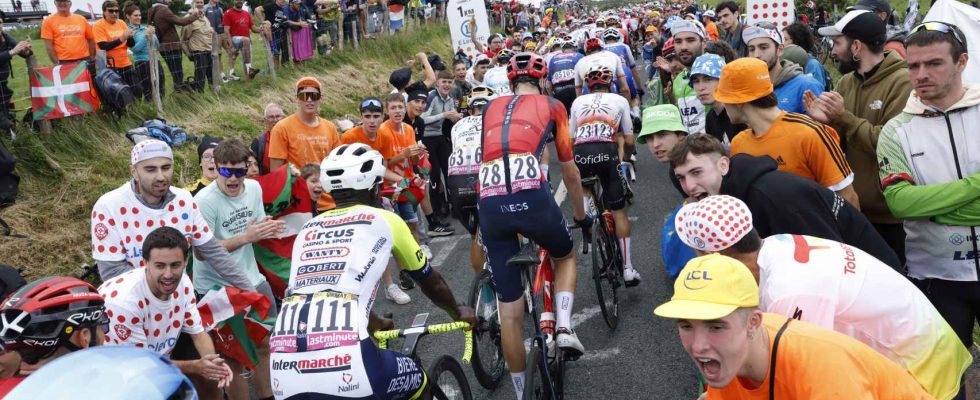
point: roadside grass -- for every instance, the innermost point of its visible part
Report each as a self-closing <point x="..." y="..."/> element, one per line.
<point x="63" y="174"/>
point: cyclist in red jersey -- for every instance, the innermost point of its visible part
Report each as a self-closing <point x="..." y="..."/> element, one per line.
<point x="515" y="199"/>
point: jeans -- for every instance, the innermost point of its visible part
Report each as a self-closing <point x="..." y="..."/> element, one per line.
<point x="203" y="65"/>
<point x="143" y="86"/>
<point x="349" y="21"/>
<point x="175" y="62"/>
<point x="280" y="45"/>
<point x="331" y="29"/>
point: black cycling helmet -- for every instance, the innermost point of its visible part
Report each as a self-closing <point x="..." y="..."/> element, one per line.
<point x="504" y="55"/>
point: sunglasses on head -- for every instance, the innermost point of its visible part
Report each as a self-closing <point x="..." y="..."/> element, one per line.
<point x="308" y="96"/>
<point x="228" y="172"/>
<point x="937" y="26"/>
<point x="371" y="103"/>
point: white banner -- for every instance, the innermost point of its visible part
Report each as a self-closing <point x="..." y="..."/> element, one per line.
<point x="968" y="20"/>
<point x="779" y="12"/>
<point x="459" y="13"/>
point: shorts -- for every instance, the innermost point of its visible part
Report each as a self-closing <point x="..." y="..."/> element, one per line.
<point x="238" y="43"/>
<point x="532" y="213"/>
<point x="463" y="195"/>
<point x="566" y="95"/>
<point x="601" y="160"/>
<point x="406" y="210"/>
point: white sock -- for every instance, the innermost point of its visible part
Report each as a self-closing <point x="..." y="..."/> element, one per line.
<point x="564" y="302"/>
<point x="585" y="203"/>
<point x="518" y="379"/>
<point x="624" y="243"/>
<point x="248" y="66"/>
<point x="231" y="71"/>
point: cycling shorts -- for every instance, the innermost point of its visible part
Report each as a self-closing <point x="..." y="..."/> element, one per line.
<point x="601" y="160"/>
<point x="566" y="95"/>
<point x="532" y="213"/>
<point x="463" y="195"/>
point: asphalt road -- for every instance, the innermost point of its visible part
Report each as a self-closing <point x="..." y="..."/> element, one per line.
<point x="642" y="359"/>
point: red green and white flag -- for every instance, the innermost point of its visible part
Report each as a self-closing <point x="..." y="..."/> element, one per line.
<point x="223" y="303"/>
<point x="62" y="91"/>
<point x="238" y="337"/>
<point x="286" y="198"/>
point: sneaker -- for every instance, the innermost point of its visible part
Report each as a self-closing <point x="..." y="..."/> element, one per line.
<point x="427" y="251"/>
<point x="406" y="281"/>
<point x="252" y="72"/>
<point x="224" y="79"/>
<point x="440" y="229"/>
<point x="631" y="277"/>
<point x="395" y="294"/>
<point x="569" y="343"/>
<point x="234" y="77"/>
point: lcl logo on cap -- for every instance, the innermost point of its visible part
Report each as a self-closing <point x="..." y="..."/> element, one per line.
<point x="697" y="279"/>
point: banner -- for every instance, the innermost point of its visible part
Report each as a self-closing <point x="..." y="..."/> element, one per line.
<point x="968" y="20"/>
<point x="459" y="13"/>
<point x="779" y="12"/>
<point x="62" y="91"/>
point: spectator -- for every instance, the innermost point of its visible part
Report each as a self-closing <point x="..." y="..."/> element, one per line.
<point x="253" y="165"/>
<point x="233" y="209"/>
<point x="461" y="89"/>
<point x="329" y="14"/>
<point x="722" y="49"/>
<point x="494" y="43"/>
<point x="440" y="114"/>
<point x="274" y="13"/>
<point x="68" y="37"/>
<point x="895" y="32"/>
<point x="796" y="55"/>
<point x="406" y="151"/>
<point x="215" y="12"/>
<point x="689" y="40"/>
<point x="352" y="24"/>
<point x="780" y="202"/>
<point x="929" y="159"/>
<point x="113" y="36"/>
<point x="238" y="25"/>
<point x="9" y="47"/>
<point x="764" y="42"/>
<point x="304" y="137"/>
<point x="205" y="159"/>
<point x="705" y="74"/>
<point x="662" y="128"/>
<point x="166" y="23"/>
<point x="301" y="34"/>
<point x="311" y="174"/>
<point x="197" y="41"/>
<point x="474" y="76"/>
<point x="873" y="90"/>
<point x="141" y="54"/>
<point x="800" y="35"/>
<point x="732" y="26"/>
<point x="260" y="145"/>
<point x="708" y="20"/>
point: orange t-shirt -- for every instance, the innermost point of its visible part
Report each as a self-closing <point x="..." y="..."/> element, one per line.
<point x="69" y="35"/>
<point x="816" y="363"/>
<point x="712" y="30"/>
<point x="801" y="146"/>
<point x="106" y="32"/>
<point x="402" y="140"/>
<point x="383" y="142"/>
<point x="300" y="144"/>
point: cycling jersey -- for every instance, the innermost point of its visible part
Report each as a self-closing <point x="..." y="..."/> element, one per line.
<point x="626" y="56"/>
<point x="561" y="70"/>
<point x="496" y="80"/>
<point x="598" y="117"/>
<point x="138" y="318"/>
<point x="464" y="169"/>
<point x="320" y="344"/>
<point x="604" y="58"/>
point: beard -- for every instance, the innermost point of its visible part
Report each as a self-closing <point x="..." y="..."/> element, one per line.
<point x="847" y="65"/>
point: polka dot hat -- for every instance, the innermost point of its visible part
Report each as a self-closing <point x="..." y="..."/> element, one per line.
<point x="713" y="224"/>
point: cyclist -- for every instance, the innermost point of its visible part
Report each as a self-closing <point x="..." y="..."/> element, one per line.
<point x="496" y="77"/>
<point x="515" y="199"/>
<point x="561" y="73"/>
<point x="614" y="44"/>
<point x="826" y="283"/>
<point x="596" y="55"/>
<point x="464" y="169"/>
<point x="600" y="124"/>
<point x="47" y="319"/>
<point x="338" y="259"/>
<point x="110" y="372"/>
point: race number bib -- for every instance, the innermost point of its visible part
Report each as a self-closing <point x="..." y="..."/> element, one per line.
<point x="522" y="170"/>
<point x="562" y="76"/>
<point x="317" y="321"/>
<point x="465" y="159"/>
<point x="593" y="132"/>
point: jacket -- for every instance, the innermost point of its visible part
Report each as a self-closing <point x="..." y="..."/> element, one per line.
<point x="197" y="36"/>
<point x="139" y="49"/>
<point x="735" y="40"/>
<point x="433" y="114"/>
<point x="789" y="87"/>
<point x="929" y="164"/>
<point x="782" y="202"/>
<point x="8" y="43"/>
<point x="868" y="105"/>
<point x="166" y="22"/>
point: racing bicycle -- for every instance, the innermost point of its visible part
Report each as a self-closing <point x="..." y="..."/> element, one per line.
<point x="446" y="377"/>
<point x="607" y="258"/>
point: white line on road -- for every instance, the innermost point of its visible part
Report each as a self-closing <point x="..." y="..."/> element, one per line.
<point x="584" y="315"/>
<point x="633" y="218"/>
<point x="446" y="250"/>
<point x="561" y="193"/>
<point x="443" y="239"/>
<point x="599" y="355"/>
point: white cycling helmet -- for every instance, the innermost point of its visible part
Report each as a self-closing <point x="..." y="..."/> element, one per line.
<point x="353" y="166"/>
<point x="481" y="95"/>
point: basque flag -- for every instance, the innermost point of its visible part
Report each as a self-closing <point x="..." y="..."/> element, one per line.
<point x="285" y="198"/>
<point x="62" y="91"/>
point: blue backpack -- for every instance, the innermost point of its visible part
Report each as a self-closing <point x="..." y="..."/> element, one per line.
<point x="676" y="254"/>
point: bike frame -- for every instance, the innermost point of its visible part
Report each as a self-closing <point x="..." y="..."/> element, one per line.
<point x="541" y="281"/>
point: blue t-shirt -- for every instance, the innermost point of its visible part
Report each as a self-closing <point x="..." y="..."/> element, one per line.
<point x="790" y="93"/>
<point x="561" y="70"/>
<point x="815" y="69"/>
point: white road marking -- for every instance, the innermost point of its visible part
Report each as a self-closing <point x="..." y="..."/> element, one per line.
<point x="561" y="193"/>
<point x="584" y="315"/>
<point x="633" y="218"/>
<point x="443" y="239"/>
<point x="599" y="355"/>
<point x="446" y="250"/>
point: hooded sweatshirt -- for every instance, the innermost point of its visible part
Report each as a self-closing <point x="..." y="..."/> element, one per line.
<point x="790" y="85"/>
<point x="782" y="202"/>
<point x="869" y="102"/>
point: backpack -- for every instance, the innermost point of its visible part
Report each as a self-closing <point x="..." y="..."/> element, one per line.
<point x="113" y="92"/>
<point x="9" y="181"/>
<point x="159" y="129"/>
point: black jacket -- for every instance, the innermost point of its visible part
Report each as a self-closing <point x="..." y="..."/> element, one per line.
<point x="785" y="203"/>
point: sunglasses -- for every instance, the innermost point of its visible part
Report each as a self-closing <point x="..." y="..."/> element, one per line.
<point x="308" y="96"/>
<point x="371" y="103"/>
<point x="228" y="172"/>
<point x="936" y="26"/>
<point x="112" y="10"/>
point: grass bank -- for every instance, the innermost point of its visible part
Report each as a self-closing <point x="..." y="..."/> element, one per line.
<point x="63" y="174"/>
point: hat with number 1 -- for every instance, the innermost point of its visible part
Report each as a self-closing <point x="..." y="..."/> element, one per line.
<point x="710" y="287"/>
<point x="743" y="80"/>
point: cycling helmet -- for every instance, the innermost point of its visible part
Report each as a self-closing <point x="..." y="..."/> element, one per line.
<point x="39" y="318"/>
<point x="613" y="33"/>
<point x="598" y="75"/>
<point x="592" y="44"/>
<point x="353" y="166"/>
<point x="481" y="95"/>
<point x="568" y="44"/>
<point x="107" y="373"/>
<point x="668" y="50"/>
<point x="526" y="64"/>
<point x="504" y="55"/>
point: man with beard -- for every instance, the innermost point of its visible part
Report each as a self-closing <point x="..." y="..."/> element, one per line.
<point x="874" y="89"/>
<point x="895" y="32"/>
<point x="731" y="26"/>
<point x="764" y="41"/>
<point x="689" y="38"/>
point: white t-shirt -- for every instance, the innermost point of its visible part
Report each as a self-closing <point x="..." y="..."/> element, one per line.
<point x="496" y="80"/>
<point x="138" y="318"/>
<point x="229" y="217"/>
<point x="120" y="222"/>
<point x="597" y="117"/>
<point x="466" y="155"/>
<point x="606" y="58"/>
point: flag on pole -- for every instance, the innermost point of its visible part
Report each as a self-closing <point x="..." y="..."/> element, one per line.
<point x="286" y="198"/>
<point x="62" y="91"/>
<point x="222" y="303"/>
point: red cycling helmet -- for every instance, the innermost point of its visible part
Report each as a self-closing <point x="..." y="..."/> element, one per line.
<point x="668" y="49"/>
<point x="598" y="75"/>
<point x="39" y="318"/>
<point x="526" y="64"/>
<point x="592" y="44"/>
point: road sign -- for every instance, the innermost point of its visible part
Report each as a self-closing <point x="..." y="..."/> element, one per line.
<point x="459" y="13"/>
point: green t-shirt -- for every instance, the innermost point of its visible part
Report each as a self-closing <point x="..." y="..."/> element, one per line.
<point x="229" y="217"/>
<point x="692" y="111"/>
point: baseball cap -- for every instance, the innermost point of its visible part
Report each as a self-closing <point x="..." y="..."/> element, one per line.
<point x="660" y="118"/>
<point x="714" y="223"/>
<point x="862" y="25"/>
<point x="872" y="5"/>
<point x="209" y="142"/>
<point x="307" y="81"/>
<point x="711" y="287"/>
<point x="688" y="26"/>
<point x="762" y="30"/>
<point x="417" y="94"/>
<point x="148" y="149"/>
<point x="743" y="80"/>
<point x="706" y="64"/>
<point x="709" y="13"/>
<point x="481" y="59"/>
<point x="401" y="77"/>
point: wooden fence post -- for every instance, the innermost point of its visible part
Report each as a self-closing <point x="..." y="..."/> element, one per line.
<point x="31" y="65"/>
<point x="271" y="58"/>
<point x="152" y="43"/>
<point x="355" y="32"/>
<point x="215" y="62"/>
<point x="340" y="30"/>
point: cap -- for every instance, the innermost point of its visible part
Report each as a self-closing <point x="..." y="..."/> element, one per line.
<point x="668" y="49"/>
<point x="872" y="5"/>
<point x="743" y="80"/>
<point x="711" y="287"/>
<point x="660" y="118"/>
<point x="862" y="25"/>
<point x="208" y="142"/>
<point x="690" y="15"/>
<point x="714" y="223"/>
<point x="651" y="29"/>
<point x="706" y="64"/>
<point x="653" y="13"/>
<point x="148" y="149"/>
<point x="307" y="81"/>
<point x="527" y="35"/>
<point x="762" y="31"/>
<point x="418" y="95"/>
<point x="796" y="55"/>
<point x="709" y="13"/>
<point x="688" y="26"/>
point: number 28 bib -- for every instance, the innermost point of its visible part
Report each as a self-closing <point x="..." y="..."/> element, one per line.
<point x="521" y="171"/>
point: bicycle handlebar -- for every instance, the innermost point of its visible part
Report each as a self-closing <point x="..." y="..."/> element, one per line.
<point x="384" y="336"/>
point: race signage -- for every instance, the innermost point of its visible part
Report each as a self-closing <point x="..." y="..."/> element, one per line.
<point x="460" y="12"/>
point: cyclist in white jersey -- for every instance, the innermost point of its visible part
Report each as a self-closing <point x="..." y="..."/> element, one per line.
<point x="596" y="55"/>
<point x="496" y="77"/>
<point x="321" y="347"/>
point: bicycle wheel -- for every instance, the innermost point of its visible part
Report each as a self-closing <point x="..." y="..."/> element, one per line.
<point x="603" y="276"/>
<point x="488" y="355"/>
<point x="535" y="387"/>
<point x="448" y="380"/>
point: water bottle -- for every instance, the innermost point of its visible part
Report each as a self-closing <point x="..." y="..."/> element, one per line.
<point x="547" y="323"/>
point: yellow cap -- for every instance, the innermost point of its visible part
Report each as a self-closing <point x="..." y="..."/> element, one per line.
<point x="743" y="80"/>
<point x="711" y="287"/>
